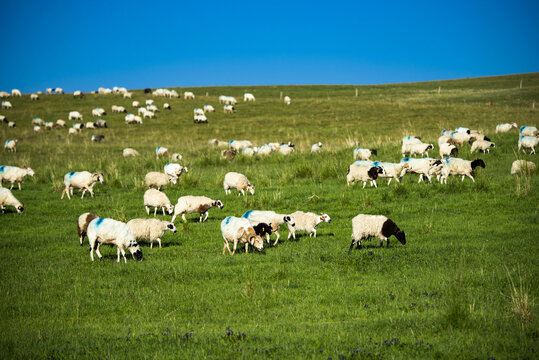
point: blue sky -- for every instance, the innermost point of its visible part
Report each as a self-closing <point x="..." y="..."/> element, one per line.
<point x="82" y="45"/>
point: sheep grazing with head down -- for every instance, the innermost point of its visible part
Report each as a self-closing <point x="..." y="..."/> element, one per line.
<point x="7" y="105"/>
<point x="82" y="225"/>
<point x="522" y="167"/>
<point x="128" y="152"/>
<point x="529" y="142"/>
<point x="161" y="151"/>
<point x="75" y="115"/>
<point x="446" y="149"/>
<point x="14" y="174"/>
<point x="482" y="145"/>
<point x="287" y="100"/>
<point x="82" y="180"/>
<point x="188" y="95"/>
<point x="239" y="230"/>
<point x="367" y="226"/>
<point x="234" y="180"/>
<point x="174" y="171"/>
<point x="316" y="148"/>
<point x="360" y="172"/>
<point x="364" y="154"/>
<point x="272" y="218"/>
<point x="307" y="222"/>
<point x="7" y="199"/>
<point x="158" y="200"/>
<point x="228" y="109"/>
<point x="11" y="145"/>
<point x="503" y="128"/>
<point x="208" y="108"/>
<point x="460" y="167"/>
<point x="110" y="231"/>
<point x="157" y="179"/>
<point x="249" y="97"/>
<point x="391" y="170"/>
<point x="238" y="144"/>
<point x="425" y="167"/>
<point x="195" y="204"/>
<point x="416" y="149"/>
<point x="150" y="229"/>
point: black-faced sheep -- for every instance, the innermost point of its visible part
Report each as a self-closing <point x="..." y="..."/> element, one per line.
<point x="366" y="226"/>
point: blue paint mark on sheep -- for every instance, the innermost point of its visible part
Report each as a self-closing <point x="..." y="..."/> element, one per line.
<point x="71" y="174"/>
<point x="231" y="141"/>
<point x="247" y="214"/>
<point x="99" y="221"/>
<point x="522" y="137"/>
<point x="405" y="160"/>
<point x="2" y="168"/>
<point x="227" y="220"/>
<point x="522" y="128"/>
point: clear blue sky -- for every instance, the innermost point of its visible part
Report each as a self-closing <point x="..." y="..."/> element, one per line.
<point x="82" y="45"/>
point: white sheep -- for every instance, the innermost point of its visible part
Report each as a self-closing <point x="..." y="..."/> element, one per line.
<point x="528" y="131"/>
<point x="249" y="97"/>
<point x="38" y="121"/>
<point x="73" y="131"/>
<point x="78" y="94"/>
<point x="4" y="94"/>
<point x="82" y="180"/>
<point x="195" y="204"/>
<point x="459" y="138"/>
<point x="231" y="100"/>
<point x="74" y="115"/>
<point x="34" y="97"/>
<point x="307" y="222"/>
<point x="37" y="128"/>
<point x="150" y="229"/>
<point x="100" y="123"/>
<point x="188" y="95"/>
<point x="60" y="123"/>
<point x="135" y="104"/>
<point x="367" y="226"/>
<point x="360" y="172"/>
<point x="286" y="150"/>
<point x="89" y="125"/>
<point x="109" y="231"/>
<point x="460" y="167"/>
<point x="128" y="95"/>
<point x="425" y="167"/>
<point x="364" y="154"/>
<point x="287" y="100"/>
<point x="133" y="119"/>
<point x="222" y="99"/>
<point x="522" y="167"/>
<point x="158" y="200"/>
<point x="176" y="157"/>
<point x="446" y="149"/>
<point x="78" y="126"/>
<point x="239" y="230"/>
<point x="152" y="108"/>
<point x="157" y="179"/>
<point x="148" y="114"/>
<point x="166" y="106"/>
<point x="391" y="170"/>
<point x="271" y="218"/>
<point x="445" y="139"/>
<point x="198" y="111"/>
<point x="416" y="149"/>
<point x="49" y="125"/>
<point x="239" y="144"/>
<point x="11" y="145"/>
<point x="16" y="92"/>
<point x="316" y="148"/>
<point x="529" y="142"/>
<point x="14" y="174"/>
<point x="482" y="145"/>
<point x="82" y="225"/>
<point x="200" y="119"/>
<point x="128" y="152"/>
<point x="249" y="151"/>
<point x="411" y="140"/>
<point x="503" y="128"/>
<point x="218" y="143"/>
<point x="463" y="130"/>
<point x="174" y="170"/>
<point x="58" y="91"/>
<point x="234" y="180"/>
<point x="7" y="199"/>
<point x="228" y="109"/>
<point x="161" y="151"/>
<point x="7" y="105"/>
<point x="49" y="91"/>
<point x="11" y="124"/>
<point x="208" y="108"/>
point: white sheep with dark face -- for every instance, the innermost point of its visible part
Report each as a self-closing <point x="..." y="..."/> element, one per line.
<point x="150" y="229"/>
<point x="271" y="218"/>
<point x="239" y="230"/>
<point x="109" y="231"/>
<point x="366" y="226"/>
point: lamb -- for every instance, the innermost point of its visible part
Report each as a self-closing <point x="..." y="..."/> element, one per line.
<point x="97" y="137"/>
<point x="306" y="222"/>
<point x="272" y="218"/>
<point x="198" y="111"/>
<point x="392" y="170"/>
<point x="188" y="95"/>
<point x="503" y="128"/>
<point x="239" y="144"/>
<point x="7" y="105"/>
<point x="11" y="145"/>
<point x="60" y="123"/>
<point x="75" y="115"/>
<point x="414" y="149"/>
<point x="446" y="149"/>
<point x="7" y="198"/>
<point x="482" y="145"/>
<point x="150" y="229"/>
<point x="209" y="108"/>
<point x="100" y="123"/>
<point x="83" y="180"/>
<point x="234" y="180"/>
<point x="239" y="230"/>
<point x="82" y="225"/>
<point x="228" y="154"/>
<point x="14" y="174"/>
<point x="364" y="154"/>
<point x="528" y="131"/>
<point x="249" y="97"/>
<point x="109" y="231"/>
<point x="229" y="109"/>
<point x="195" y="204"/>
<point x="456" y="166"/>
<point x="160" y="151"/>
<point x="158" y="200"/>
<point x="358" y="172"/>
<point x="366" y="226"/>
<point x="316" y="148"/>
<point x="34" y="97"/>
<point x="157" y="179"/>
<point x="423" y="167"/>
<point x="16" y="92"/>
<point x="174" y="171"/>
<point x="128" y="152"/>
<point x="527" y="142"/>
<point x="287" y="100"/>
<point x="522" y="167"/>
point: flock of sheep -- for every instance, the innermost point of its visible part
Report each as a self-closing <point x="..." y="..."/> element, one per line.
<point x="253" y="225"/>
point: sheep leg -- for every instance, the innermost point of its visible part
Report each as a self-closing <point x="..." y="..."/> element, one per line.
<point x="470" y="176"/>
<point x="163" y="208"/>
<point x="71" y="190"/>
<point x="420" y="178"/>
<point x="314" y="232"/>
<point x="83" y="192"/>
<point x="97" y="251"/>
<point x="364" y="183"/>
<point x="20" y="186"/>
<point x="206" y="218"/>
<point x="387" y="241"/>
<point x="224" y="247"/>
<point x="351" y="246"/>
<point x="155" y="211"/>
<point x="11" y="188"/>
<point x="267" y="238"/>
<point x="159" y="241"/>
<point x="242" y="192"/>
<point x="64" y="192"/>
<point x="148" y="211"/>
<point x="246" y="247"/>
<point x="183" y="217"/>
<point x="235" y="246"/>
<point x="151" y="244"/>
<point x="118" y="252"/>
<point x="389" y="182"/>
<point x="123" y="253"/>
<point x="374" y="182"/>
<point x="277" y="239"/>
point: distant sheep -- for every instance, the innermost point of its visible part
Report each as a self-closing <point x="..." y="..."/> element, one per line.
<point x="218" y="143"/>
<point x="231" y="100"/>
<point x="208" y="108"/>
<point x="446" y="149"/>
<point x="176" y="157"/>
<point x="200" y="119"/>
<point x="307" y="222"/>
<point x="367" y="226"/>
<point x="128" y="152"/>
<point x="133" y="119"/>
<point x="271" y="218"/>
<point x="188" y="95"/>
<point x="49" y="125"/>
<point x="7" y="199"/>
<point x="425" y="167"/>
<point x="391" y="170"/>
<point x="60" y="123"/>
<point x="90" y="125"/>
<point x="228" y="109"/>
<point x="239" y="144"/>
<point x="287" y="100"/>
<point x="228" y="154"/>
<point x="100" y="123"/>
<point x="7" y="105"/>
<point x="78" y="126"/>
<point x="234" y="180"/>
<point x="135" y="104"/>
<point x="58" y="91"/>
<point x="14" y="174"/>
<point x="78" y="94"/>
<point x="160" y="152"/>
<point x="357" y="172"/>
<point x="198" y="111"/>
<point x="128" y="95"/>
<point x="157" y="179"/>
<point x="11" y="145"/>
<point x="38" y="121"/>
<point x="249" y="97"/>
<point x="249" y="151"/>
<point x="529" y="142"/>
<point x="16" y="92"/>
<point x="528" y="131"/>
<point x="37" y="128"/>
<point x="74" y="115"/>
<point x="522" y="167"/>
<point x="482" y="145"/>
<point x="460" y="167"/>
<point x="195" y="204"/>
<point x="34" y="97"/>
<point x="364" y="154"/>
<point x="82" y="225"/>
<point x="97" y="137"/>
<point x="158" y="200"/>
<point x="109" y="231"/>
<point x="150" y="229"/>
<point x="286" y="150"/>
<point x="166" y="106"/>
<point x="316" y="148"/>
<point x="4" y="94"/>
<point x="82" y="180"/>
<point x="222" y="99"/>
<point x="503" y="128"/>
<point x="73" y="131"/>
<point x="239" y="230"/>
<point x="416" y="149"/>
<point x="174" y="171"/>
<point x="11" y="124"/>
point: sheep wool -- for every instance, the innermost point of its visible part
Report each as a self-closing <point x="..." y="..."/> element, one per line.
<point x="364" y="154"/>
<point x="158" y="200"/>
<point x="110" y="231"/>
<point x="528" y="131"/>
<point x="481" y="145"/>
<point x="391" y="170"/>
<point x="234" y="180"/>
<point x="359" y="172"/>
<point x="195" y="204"/>
<point x="366" y="226"/>
<point x="239" y="230"/>
<point x="271" y="218"/>
<point x="306" y="221"/>
<point x="14" y="174"/>
<point x="11" y="145"/>
<point x="82" y="180"/>
<point x="527" y="142"/>
<point x="503" y="128"/>
<point x="522" y="167"/>
<point x="150" y="229"/>
<point x="156" y="179"/>
<point x="447" y="149"/>
<point x="128" y="152"/>
<point x="82" y="225"/>
<point x="7" y="199"/>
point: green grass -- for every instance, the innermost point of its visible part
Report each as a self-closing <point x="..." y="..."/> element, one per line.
<point x="464" y="286"/>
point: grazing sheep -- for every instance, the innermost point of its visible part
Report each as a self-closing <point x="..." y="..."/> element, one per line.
<point x="459" y="138"/>
<point x="234" y="180"/>
<point x="133" y="119"/>
<point x="150" y="229"/>
<point x="7" y="105"/>
<point x="218" y="143"/>
<point x="249" y="97"/>
<point x="90" y="125"/>
<point x="150" y="102"/>
<point x="239" y="230"/>
<point x="82" y="225"/>
<point x="166" y="106"/>
<point x="58" y="91"/>
<point x="529" y="142"/>
<point x="481" y="145"/>
<point x="209" y="108"/>
<point x="391" y="170"/>
<point x="222" y="99"/>
<point x="11" y="145"/>
<point x="358" y="172"/>
<point x="503" y="128"/>
<point x="286" y="150"/>
<point x="462" y="130"/>
<point x="16" y="92"/>
<point x="176" y="157"/>
<point x="14" y="174"/>
<point x="73" y="131"/>
<point x="128" y="95"/>
<point x="60" y="123"/>
<point x="528" y="131"/>
<point x="82" y="180"/>
<point x="75" y="115"/>
<point x="195" y="204"/>
<point x="149" y="114"/>
<point x="414" y="149"/>
<point x="161" y="151"/>
<point x="100" y="123"/>
<point x="4" y="94"/>
<point x="200" y="119"/>
<point x="287" y="100"/>
<point x="272" y="218"/>
<point x="174" y="171"/>
<point x="118" y="109"/>
<point x="228" y="154"/>
<point x="3" y="119"/>
<point x="37" y="128"/>
<point x="411" y="140"/>
<point x="135" y="104"/>
<point x="38" y="121"/>
<point x="446" y="149"/>
<point x="306" y="222"/>
<point x="445" y="139"/>
<point x="158" y="200"/>
<point x="198" y="111"/>
<point x="476" y="135"/>
<point x="188" y="95"/>
<point x="7" y="199"/>
<point x="34" y="97"/>
<point x="231" y="100"/>
<point x="364" y="154"/>
<point x="11" y="124"/>
<point x="49" y="91"/>
<point x="49" y="125"/>
<point x="157" y="179"/>
<point x="78" y="94"/>
<point x="109" y="231"/>
<point x="262" y="229"/>
<point x="522" y="167"/>
<point x="78" y="126"/>
<point x="249" y="151"/>
<point x="367" y="226"/>
<point x="316" y="148"/>
<point x="152" y="108"/>
<point x="229" y="109"/>
<point x="424" y="167"/>
<point x="239" y="144"/>
<point x="456" y="166"/>
<point x="128" y="152"/>
<point x="147" y="91"/>
<point x="97" y="137"/>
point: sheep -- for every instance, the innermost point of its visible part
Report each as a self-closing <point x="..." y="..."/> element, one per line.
<point x="150" y="229"/>
<point x="37" y="128"/>
<point x="7" y="198"/>
<point x="306" y="222"/>
<point x="176" y="157"/>
<point x="82" y="225"/>
<point x="60" y="123"/>
<point x="34" y="97"/>
<point x="158" y="200"/>
<point x="73" y="131"/>
<point x="503" y="128"/>
<point x="286" y="150"/>
<point x="100" y="123"/>
<point x="456" y="166"/>
<point x="49" y="125"/>
<point x="198" y="111"/>
<point x="150" y="102"/>
<point x="234" y="180"/>
<point x="49" y="91"/>
<point x="195" y="204"/>
<point x="135" y="104"/>
<point x="38" y="121"/>
<point x="271" y="218"/>
<point x="411" y="140"/>
<point x="522" y="167"/>
<point x="160" y="151"/>
<point x="392" y="170"/>
<point x="482" y="145"/>
<point x="83" y="180"/>
<point x="58" y="91"/>
<point x="14" y="174"/>
<point x="239" y="230"/>
<point x="316" y="147"/>
<point x="446" y="149"/>
<point x="78" y="94"/>
<point x="166" y="106"/>
<point x="11" y="145"/>
<point x="188" y="95"/>
<point x="262" y="229"/>
<point x="157" y="179"/>
<point x="227" y="109"/>
<point x="149" y="114"/>
<point x="527" y="142"/>
<point x="99" y="112"/>
<point x="174" y="171"/>
<point x="141" y="110"/>
<point x="3" y="119"/>
<point x="4" y="94"/>
<point x="90" y="125"/>
<point x="414" y="149"/>
<point x="208" y="108"/>
<point x="528" y="131"/>
<point x="460" y="138"/>
<point x="249" y="97"/>
<point x="16" y="92"/>
<point x="463" y="130"/>
<point x="364" y="154"/>
<point x="249" y="151"/>
<point x="7" y="105"/>
<point x="200" y="119"/>
<point x="366" y="226"/>
<point x="109" y="231"/>
<point x="97" y="137"/>
<point x="78" y="126"/>
<point x="228" y="154"/>
<point x="239" y="144"/>
<point x="476" y="135"/>
<point x="218" y="143"/>
<point x="128" y="152"/>
<point x="358" y="172"/>
<point x="231" y="100"/>
<point x="133" y="119"/>
<point x="128" y="95"/>
<point x="147" y="91"/>
<point x="118" y="109"/>
<point x="11" y="124"/>
<point x="445" y="139"/>
<point x="75" y="115"/>
<point x="425" y="167"/>
<point x="222" y="99"/>
<point x="287" y="100"/>
<point x="152" y="108"/>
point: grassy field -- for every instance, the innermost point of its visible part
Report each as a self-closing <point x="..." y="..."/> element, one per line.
<point x="464" y="286"/>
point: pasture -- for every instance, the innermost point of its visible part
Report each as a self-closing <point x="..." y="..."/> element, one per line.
<point x="465" y="285"/>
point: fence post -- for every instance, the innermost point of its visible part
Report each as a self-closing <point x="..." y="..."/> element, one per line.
<point x="356" y="92"/>
<point x="281" y="95"/>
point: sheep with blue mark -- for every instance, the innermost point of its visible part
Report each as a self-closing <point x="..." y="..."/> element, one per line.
<point x="416" y="149"/>
<point x="150" y="229"/>
<point x="527" y="142"/>
<point x="528" y="131"/>
<point x="362" y="171"/>
<point x="208" y="108"/>
<point x="391" y="170"/>
<point x="425" y="167"/>
<point x="11" y="145"/>
<point x="160" y="151"/>
<point x="482" y="145"/>
<point x="175" y="170"/>
<point x="113" y="232"/>
<point x="272" y="218"/>
<point x="239" y="230"/>
<point x="367" y="226"/>
<point x="14" y="174"/>
<point x="364" y="154"/>
<point x="459" y="167"/>
<point x="82" y="180"/>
